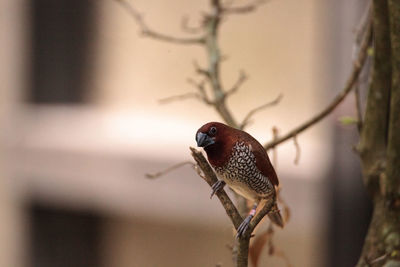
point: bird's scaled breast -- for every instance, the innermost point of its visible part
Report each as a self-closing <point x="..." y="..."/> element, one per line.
<point x="242" y="175"/>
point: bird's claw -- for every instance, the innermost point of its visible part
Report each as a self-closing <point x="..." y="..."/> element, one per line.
<point x="244" y="226"/>
<point x="216" y="187"/>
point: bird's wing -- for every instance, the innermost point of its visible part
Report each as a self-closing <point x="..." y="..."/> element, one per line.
<point x="263" y="163"/>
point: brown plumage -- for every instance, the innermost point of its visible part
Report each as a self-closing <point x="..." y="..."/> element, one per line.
<point x="241" y="162"/>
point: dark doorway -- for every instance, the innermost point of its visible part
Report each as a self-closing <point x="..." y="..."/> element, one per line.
<point x="62" y="34"/>
<point x="64" y="238"/>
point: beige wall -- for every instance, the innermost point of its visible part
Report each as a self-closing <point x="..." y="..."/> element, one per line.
<point x="12" y="77"/>
<point x="94" y="156"/>
<point x="276" y="46"/>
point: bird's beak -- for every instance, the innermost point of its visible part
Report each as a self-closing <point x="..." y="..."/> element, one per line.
<point x="203" y="140"/>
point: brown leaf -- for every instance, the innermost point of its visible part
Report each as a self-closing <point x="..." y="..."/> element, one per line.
<point x="271" y="249"/>
<point x="279" y="253"/>
<point x="286" y="213"/>
<point x="257" y="246"/>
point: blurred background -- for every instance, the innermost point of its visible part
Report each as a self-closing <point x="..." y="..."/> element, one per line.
<point x="81" y="125"/>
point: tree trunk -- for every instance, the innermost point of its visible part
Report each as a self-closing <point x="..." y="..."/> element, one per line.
<point x="380" y="140"/>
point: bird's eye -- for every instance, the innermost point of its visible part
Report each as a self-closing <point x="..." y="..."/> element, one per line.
<point x="212" y="131"/>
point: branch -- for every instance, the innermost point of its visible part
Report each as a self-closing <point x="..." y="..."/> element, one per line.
<point x="186" y="28"/>
<point x="298" y="150"/>
<point x="362" y="27"/>
<point x="242" y="78"/>
<point x="357" y="66"/>
<point x="169" y="169"/>
<point x="261" y="214"/>
<point x="393" y="148"/>
<point x="211" y="27"/>
<point x="201" y="95"/>
<point x="200" y="70"/>
<point x="202" y="91"/>
<point x="243" y="9"/>
<point x="358" y="106"/>
<point x="210" y="177"/>
<point x="169" y="99"/>
<point x="137" y="17"/>
<point x="247" y="118"/>
<point x="373" y="138"/>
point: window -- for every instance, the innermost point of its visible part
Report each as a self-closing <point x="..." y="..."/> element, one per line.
<point x="61" y="36"/>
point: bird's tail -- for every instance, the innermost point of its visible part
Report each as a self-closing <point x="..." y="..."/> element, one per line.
<point x="275" y="216"/>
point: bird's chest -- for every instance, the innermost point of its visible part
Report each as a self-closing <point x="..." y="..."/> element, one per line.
<point x="241" y="173"/>
<point x="240" y="165"/>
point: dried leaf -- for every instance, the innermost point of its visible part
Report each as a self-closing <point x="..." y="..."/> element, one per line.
<point x="279" y="253"/>
<point x="257" y="246"/>
<point x="271" y="249"/>
<point x="286" y="213"/>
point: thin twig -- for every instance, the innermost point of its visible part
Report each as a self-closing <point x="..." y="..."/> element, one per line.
<point x="201" y="95"/>
<point x="243" y="9"/>
<point x="201" y="88"/>
<point x="186" y="28"/>
<point x="362" y="26"/>
<point x="247" y="118"/>
<point x="261" y="214"/>
<point x="242" y="78"/>
<point x="153" y="34"/>
<point x="298" y="150"/>
<point x="201" y="70"/>
<point x="380" y="258"/>
<point x="169" y="169"/>
<point x="275" y="133"/>
<point x="358" y="106"/>
<point x="358" y="64"/>
<point x="180" y="97"/>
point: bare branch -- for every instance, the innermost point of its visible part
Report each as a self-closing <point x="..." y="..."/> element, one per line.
<point x="243" y="9"/>
<point x="137" y="17"/>
<point x="298" y="150"/>
<point x="169" y="99"/>
<point x="211" y="178"/>
<point x="261" y="214"/>
<point x="169" y="169"/>
<point x="379" y="259"/>
<point x="200" y="70"/>
<point x="361" y="29"/>
<point x="358" y="106"/>
<point x="358" y="64"/>
<point x="247" y="118"/>
<point x="201" y="95"/>
<point x="242" y="78"/>
<point x="202" y="91"/>
<point x="275" y="133"/>
<point x="186" y="28"/>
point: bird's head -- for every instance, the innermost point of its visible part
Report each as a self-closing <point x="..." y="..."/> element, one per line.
<point x="212" y="134"/>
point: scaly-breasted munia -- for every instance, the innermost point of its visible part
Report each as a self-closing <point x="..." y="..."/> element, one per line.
<point x="240" y="161"/>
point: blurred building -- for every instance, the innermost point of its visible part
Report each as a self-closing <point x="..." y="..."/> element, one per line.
<point x="81" y="126"/>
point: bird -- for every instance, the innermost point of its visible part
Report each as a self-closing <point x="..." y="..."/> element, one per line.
<point x="242" y="163"/>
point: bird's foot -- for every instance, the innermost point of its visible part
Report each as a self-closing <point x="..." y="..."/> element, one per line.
<point x="217" y="186"/>
<point x="244" y="226"/>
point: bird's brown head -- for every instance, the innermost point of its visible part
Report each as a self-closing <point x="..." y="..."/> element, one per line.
<point x="210" y="134"/>
<point x="217" y="139"/>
